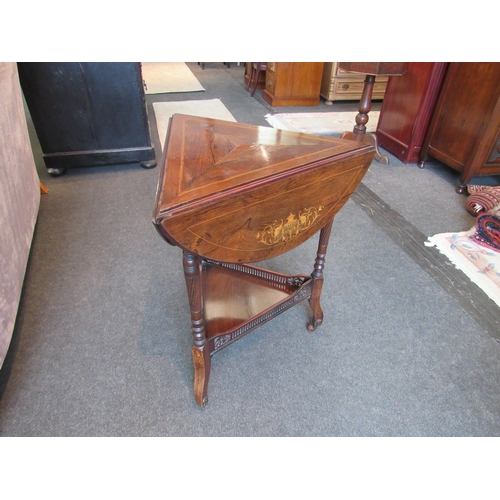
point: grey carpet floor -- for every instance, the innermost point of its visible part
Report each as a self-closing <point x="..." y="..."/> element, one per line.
<point x="103" y="335"/>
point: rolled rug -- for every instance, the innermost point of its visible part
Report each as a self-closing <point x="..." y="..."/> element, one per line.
<point x="487" y="230"/>
<point x="482" y="199"/>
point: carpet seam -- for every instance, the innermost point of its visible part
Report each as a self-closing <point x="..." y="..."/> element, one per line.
<point x="436" y="265"/>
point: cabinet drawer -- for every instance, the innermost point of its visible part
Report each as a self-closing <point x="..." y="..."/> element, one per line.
<point x="352" y="89"/>
<point x="271" y="82"/>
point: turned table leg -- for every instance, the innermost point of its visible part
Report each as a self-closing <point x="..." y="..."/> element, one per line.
<point x="359" y="131"/>
<point x="200" y="351"/>
<point x="317" y="276"/>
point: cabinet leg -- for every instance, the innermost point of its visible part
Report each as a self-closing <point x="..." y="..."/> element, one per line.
<point x="424" y="158"/>
<point x="465" y="178"/>
<point x="56" y="172"/>
<point x="317" y="276"/>
<point x="148" y="164"/>
<point x="201" y="354"/>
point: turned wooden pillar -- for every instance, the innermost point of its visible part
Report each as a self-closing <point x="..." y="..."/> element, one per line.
<point x="365" y="103"/>
<point x="317" y="277"/>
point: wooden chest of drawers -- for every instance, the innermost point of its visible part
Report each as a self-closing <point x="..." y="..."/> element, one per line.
<point x="293" y="83"/>
<point x="338" y="85"/>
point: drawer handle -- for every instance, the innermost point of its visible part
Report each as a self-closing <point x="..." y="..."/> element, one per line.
<point x="269" y="83"/>
<point x="345" y="86"/>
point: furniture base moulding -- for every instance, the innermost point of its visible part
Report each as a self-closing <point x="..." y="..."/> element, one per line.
<point x="289" y="101"/>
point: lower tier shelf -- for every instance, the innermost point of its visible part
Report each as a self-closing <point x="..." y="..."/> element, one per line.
<point x="238" y="298"/>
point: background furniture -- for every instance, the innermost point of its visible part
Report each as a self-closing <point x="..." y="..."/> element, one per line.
<point x="230" y="194"/>
<point x="19" y="200"/>
<point x="293" y="83"/>
<point x="88" y="114"/>
<point x="340" y="85"/>
<point x="407" y="109"/>
<point x="465" y="127"/>
<point x="256" y="70"/>
<point x="202" y="64"/>
<point x="370" y="70"/>
<point x="261" y="78"/>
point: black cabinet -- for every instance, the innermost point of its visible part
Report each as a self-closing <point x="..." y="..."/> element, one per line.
<point x="88" y="114"/>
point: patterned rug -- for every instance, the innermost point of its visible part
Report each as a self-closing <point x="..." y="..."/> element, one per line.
<point x="482" y="198"/>
<point x="209" y="108"/>
<point x="166" y="78"/>
<point x="321" y="123"/>
<point x="480" y="263"/>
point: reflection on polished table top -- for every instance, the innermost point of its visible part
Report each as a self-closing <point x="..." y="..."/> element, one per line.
<point x="230" y="194"/>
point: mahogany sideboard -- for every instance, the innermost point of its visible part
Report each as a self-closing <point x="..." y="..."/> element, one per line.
<point x="293" y="83"/>
<point x="407" y="109"/>
<point x="464" y="132"/>
<point x="231" y="194"/>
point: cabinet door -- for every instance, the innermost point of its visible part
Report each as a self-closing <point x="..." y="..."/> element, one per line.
<point x="58" y="104"/>
<point x="464" y="110"/>
<point x="299" y="79"/>
<point x="117" y="104"/>
<point x="86" y="106"/>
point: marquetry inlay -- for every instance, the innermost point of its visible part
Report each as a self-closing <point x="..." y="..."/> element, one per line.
<point x="281" y="231"/>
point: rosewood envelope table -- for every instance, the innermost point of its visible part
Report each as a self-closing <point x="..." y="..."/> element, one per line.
<point x="230" y="195"/>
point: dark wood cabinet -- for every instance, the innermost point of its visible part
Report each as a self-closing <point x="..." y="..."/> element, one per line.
<point x="88" y="114"/>
<point x="465" y="127"/>
<point x="407" y="109"/>
<point x="293" y="83"/>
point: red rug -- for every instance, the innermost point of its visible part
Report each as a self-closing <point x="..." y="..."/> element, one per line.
<point x="482" y="199"/>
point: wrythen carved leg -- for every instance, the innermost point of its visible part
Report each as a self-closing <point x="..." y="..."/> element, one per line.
<point x="201" y="354"/>
<point x="317" y="276"/>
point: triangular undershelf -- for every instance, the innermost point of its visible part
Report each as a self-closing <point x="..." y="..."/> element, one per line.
<point x="238" y="298"/>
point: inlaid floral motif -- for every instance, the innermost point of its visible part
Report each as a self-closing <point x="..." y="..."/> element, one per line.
<point x="281" y="231"/>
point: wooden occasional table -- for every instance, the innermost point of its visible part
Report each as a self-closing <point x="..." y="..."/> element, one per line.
<point x="370" y="69"/>
<point x="232" y="194"/>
